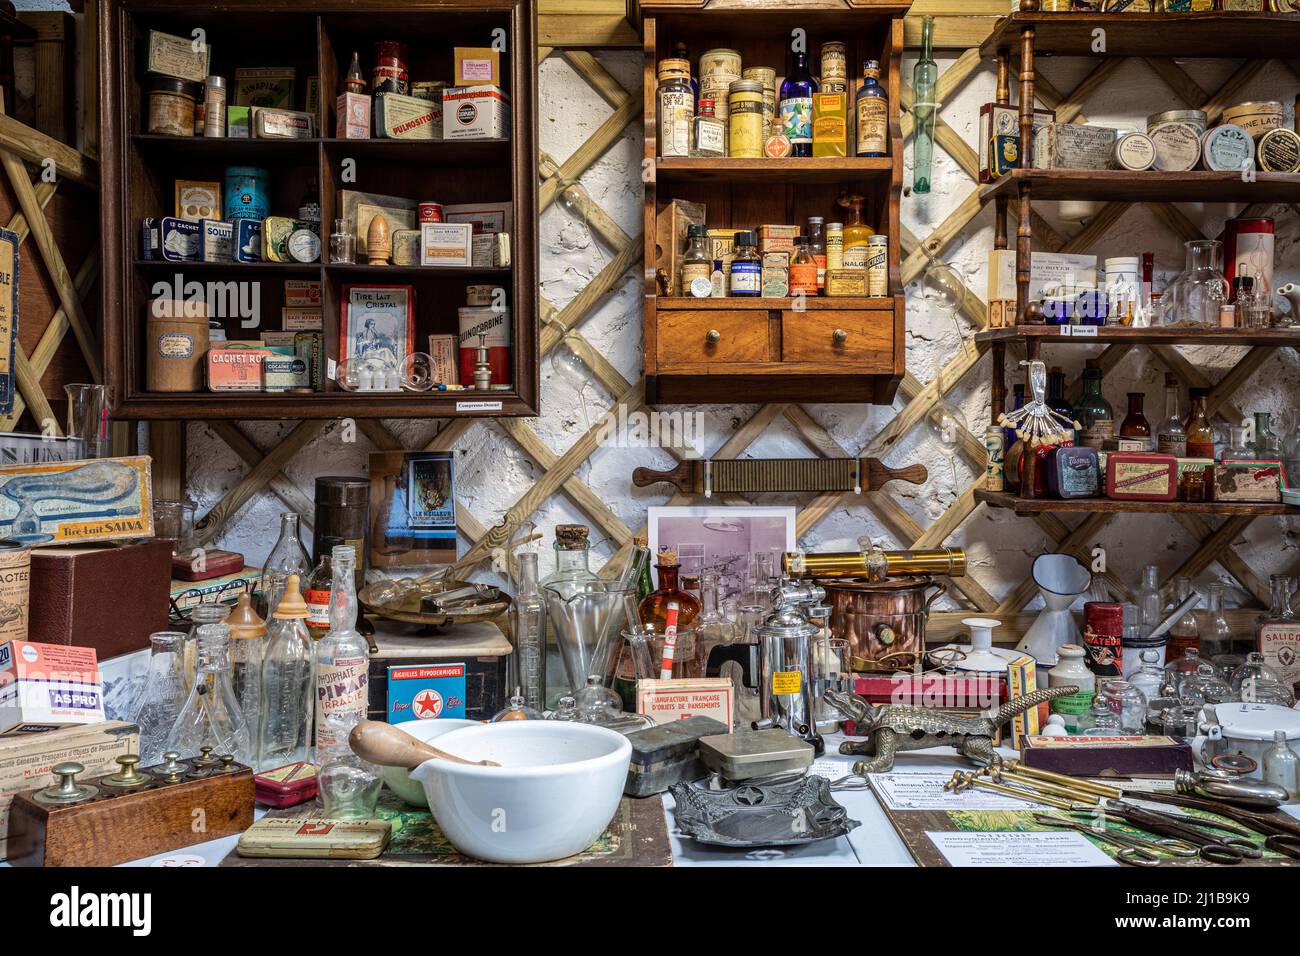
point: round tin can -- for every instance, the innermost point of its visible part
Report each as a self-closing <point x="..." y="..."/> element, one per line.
<point x="1178" y="146"/>
<point x="835" y="67"/>
<point x="719" y="68"/>
<point x="835" y="245"/>
<point x="389" y="74"/>
<point x="1256" y="118"/>
<point x="245" y="194"/>
<point x="995" y="443"/>
<point x="745" y="122"/>
<point x="430" y="212"/>
<point x="15" y="578"/>
<point x="1279" y="151"/>
<point x="1103" y="638"/>
<point x="172" y="105"/>
<point x="1193" y="118"/>
<point x="767" y="76"/>
<point x="1133" y="151"/>
<point x="1227" y="148"/>
<point x="343" y="513"/>
<point x="877" y="265"/>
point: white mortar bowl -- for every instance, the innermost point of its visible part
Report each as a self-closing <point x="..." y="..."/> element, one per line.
<point x="397" y="778"/>
<point x="556" y="789"/>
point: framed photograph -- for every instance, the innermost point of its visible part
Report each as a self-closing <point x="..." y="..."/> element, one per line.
<point x="723" y="539"/>
<point x="378" y="322"/>
<point x="412" y="508"/>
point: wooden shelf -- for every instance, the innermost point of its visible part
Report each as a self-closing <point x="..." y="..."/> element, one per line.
<point x="1030" y="506"/>
<point x="318" y="405"/>
<point x="1252" y="35"/>
<point x="729" y="303"/>
<point x="1281" y="338"/>
<point x="429" y="152"/>
<point x="209" y="148"/>
<point x="368" y="273"/>
<point x="791" y="170"/>
<point x="1054" y="185"/>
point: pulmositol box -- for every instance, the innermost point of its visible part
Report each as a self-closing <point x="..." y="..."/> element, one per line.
<point x="475" y="112"/>
<point x="46" y="686"/>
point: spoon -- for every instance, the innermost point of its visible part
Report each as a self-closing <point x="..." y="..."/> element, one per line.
<point x="385" y="745"/>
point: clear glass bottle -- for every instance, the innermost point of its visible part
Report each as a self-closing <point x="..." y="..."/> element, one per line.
<point x="1092" y="411"/>
<point x="166" y="686"/>
<point x="200" y="615"/>
<point x="286" y="558"/>
<point x="711" y="627"/>
<point x="710" y="136"/>
<point x="1236" y="448"/>
<point x="1150" y="606"/>
<point x="342" y="661"/>
<point x="1215" y="635"/>
<point x="1243" y="295"/>
<point x="1185" y="633"/>
<point x="349" y="786"/>
<point x="1194" y="298"/>
<point x="343" y="243"/>
<point x="1149" y="677"/>
<point x="925" y="109"/>
<point x="248" y="643"/>
<point x="1282" y="766"/>
<point x="527" y="665"/>
<point x="1135" y="425"/>
<point x="871" y="110"/>
<point x="762" y="577"/>
<point x="796" y="106"/>
<point x="746" y="267"/>
<point x="1171" y="436"/>
<point x="1266" y="446"/>
<point x="211" y="716"/>
<point x="318" y="585"/>
<point x="288" y="689"/>
<point x="1277" y="636"/>
<point x="572" y="574"/>
<point x="697" y="263"/>
<point x="1200" y="433"/>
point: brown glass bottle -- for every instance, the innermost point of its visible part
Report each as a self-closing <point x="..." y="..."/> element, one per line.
<point x="320" y="584"/>
<point x="1200" y="434"/>
<point x="654" y="606"/>
<point x="1135" y="424"/>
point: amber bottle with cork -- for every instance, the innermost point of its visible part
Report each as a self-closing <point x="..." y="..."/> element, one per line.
<point x="654" y="606"/>
<point x="1200" y="433"/>
<point x="1135" y="425"/>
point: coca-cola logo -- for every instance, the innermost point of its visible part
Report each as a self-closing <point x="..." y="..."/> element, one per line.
<point x="466" y="113"/>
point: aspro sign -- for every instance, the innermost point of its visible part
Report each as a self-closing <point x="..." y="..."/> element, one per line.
<point x="44" y="686"/>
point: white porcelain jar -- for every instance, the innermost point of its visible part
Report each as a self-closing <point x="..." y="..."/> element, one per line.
<point x="1071" y="669"/>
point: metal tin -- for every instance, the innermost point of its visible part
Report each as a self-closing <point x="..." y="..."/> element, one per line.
<point x="172" y="104"/>
<point x="995" y="443"/>
<point x="747" y="754"/>
<point x="767" y="76"/>
<point x="835" y="66"/>
<point x="745" y="120"/>
<point x="1103" y="638"/>
<point x="1256" y="117"/>
<point x="1193" y="118"/>
<point x="430" y="212"/>
<point x="1133" y="151"/>
<point x="1227" y="148"/>
<point x="1279" y="151"/>
<point x="1178" y="146"/>
<point x="1072" y="472"/>
<point x="343" y="512"/>
<point x="245" y="194"/>
<point x="719" y="68"/>
<point x="877" y="265"/>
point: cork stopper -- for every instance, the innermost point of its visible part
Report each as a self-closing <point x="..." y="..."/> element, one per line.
<point x="571" y="537"/>
<point x="291" y="603"/>
<point x="243" y="621"/>
<point x="640" y="540"/>
<point x="667" y="558"/>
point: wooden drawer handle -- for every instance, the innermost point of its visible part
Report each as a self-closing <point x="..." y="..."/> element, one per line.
<point x="839" y="336"/>
<point x="713" y="336"/>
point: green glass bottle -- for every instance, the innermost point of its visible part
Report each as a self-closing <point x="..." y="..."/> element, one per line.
<point x="1092" y="411"/>
<point x="925" y="108"/>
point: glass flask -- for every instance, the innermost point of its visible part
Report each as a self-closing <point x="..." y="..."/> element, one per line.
<point x="1196" y="295"/>
<point x="88" y="419"/>
<point x="572" y="574"/>
<point x="1282" y="766"/>
<point x="1149" y="677"/>
<point x="761" y="580"/>
<point x="1127" y="703"/>
<point x="286" y="558"/>
<point x="1254" y="682"/>
<point x="247" y="653"/>
<point x="1266" y="446"/>
<point x="287" y="688"/>
<point x="1150" y="606"/>
<point x="1214" y="632"/>
<point x="349" y="786"/>
<point x="712" y="627"/>
<point x="653" y="609"/>
<point x="211" y="716"/>
<point x="166" y="685"/>
<point x="342" y="660"/>
<point x="517" y="709"/>
<point x="527" y="665"/>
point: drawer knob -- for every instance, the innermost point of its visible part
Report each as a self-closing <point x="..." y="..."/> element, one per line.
<point x="839" y="336"/>
<point x="713" y="336"/>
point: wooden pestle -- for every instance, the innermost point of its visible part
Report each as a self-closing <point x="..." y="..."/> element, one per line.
<point x="384" y="744"/>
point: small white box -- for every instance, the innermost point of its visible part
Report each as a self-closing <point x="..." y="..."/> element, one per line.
<point x="475" y="112"/>
<point x="446" y="243"/>
<point x="44" y="686"/>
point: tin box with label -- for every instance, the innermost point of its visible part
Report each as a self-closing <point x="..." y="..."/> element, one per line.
<point x="1072" y="472"/>
<point x="178" y="340"/>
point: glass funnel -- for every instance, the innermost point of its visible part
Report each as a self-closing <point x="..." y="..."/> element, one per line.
<point x="586" y="617"/>
<point x="1194" y="298"/>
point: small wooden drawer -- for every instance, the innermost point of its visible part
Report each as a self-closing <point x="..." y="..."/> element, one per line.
<point x="712" y="335"/>
<point x="864" y="339"/>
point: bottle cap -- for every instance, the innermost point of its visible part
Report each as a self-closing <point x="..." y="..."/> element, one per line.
<point x="243" y="621"/>
<point x="291" y="603"/>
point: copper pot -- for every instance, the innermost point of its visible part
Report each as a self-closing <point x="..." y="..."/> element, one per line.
<point x="883" y="621"/>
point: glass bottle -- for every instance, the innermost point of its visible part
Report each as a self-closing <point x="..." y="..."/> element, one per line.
<point x="572" y="573"/>
<point x="342" y="659"/>
<point x="211" y="716"/>
<point x="710" y="135"/>
<point x="712" y="627"/>
<point x="1243" y="292"/>
<point x="355" y="81"/>
<point x="925" y="109"/>
<point x="1149" y="677"/>
<point x="816" y="232"/>
<point x="796" y="106"/>
<point x="1150" y="606"/>
<point x="1266" y="445"/>
<point x="1135" y="424"/>
<point x="317" y="591"/>
<point x="1055" y="393"/>
<point x="762" y="577"/>
<point x="1215" y="635"/>
<point x="871" y="109"/>
<point x="1291" y="451"/>
<point x="1194" y="298"/>
<point x="247" y="654"/>
<point x="349" y="786"/>
<point x="200" y="615"/>
<point x="653" y="609"/>
<point x="287" y="684"/>
<point x="697" y="263"/>
<point x="163" y="694"/>
<point x="803" y="269"/>
<point x="286" y="558"/>
<point x="343" y="242"/>
<point x="1277" y="635"/>
<point x="746" y="267"/>
<point x="1237" y="448"/>
<point x="1200" y="433"/>
<point x="675" y="109"/>
<point x="1171" y="436"/>
<point x="1282" y="766"/>
<point x="527" y="665"/>
<point x="1092" y="411"/>
<point x="1185" y="633"/>
<point x="856" y="232"/>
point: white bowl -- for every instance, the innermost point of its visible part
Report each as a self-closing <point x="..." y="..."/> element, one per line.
<point x="556" y="790"/>
<point x="397" y="779"/>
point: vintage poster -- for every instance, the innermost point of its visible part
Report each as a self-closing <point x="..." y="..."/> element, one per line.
<point x="412" y="508"/>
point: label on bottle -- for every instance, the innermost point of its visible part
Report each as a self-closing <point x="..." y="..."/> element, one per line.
<point x="873" y="120"/>
<point x="692" y="270"/>
<point x="1071" y="706"/>
<point x="1200" y="449"/>
<point x="746" y="278"/>
<point x="796" y="119"/>
<point x="1098" y="432"/>
<point x="1172" y="445"/>
<point x="1280" y="645"/>
<point x="710" y="138"/>
<point x="855" y="256"/>
<point x="1178" y="643"/>
<point x="803" y="278"/>
<point x="318" y="607"/>
<point x="676" y="115"/>
<point x="341" y="698"/>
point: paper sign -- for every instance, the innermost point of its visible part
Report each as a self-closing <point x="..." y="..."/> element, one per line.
<point x="1020" y="848"/>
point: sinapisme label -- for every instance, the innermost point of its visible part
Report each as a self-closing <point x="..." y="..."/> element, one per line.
<point x="796" y="119"/>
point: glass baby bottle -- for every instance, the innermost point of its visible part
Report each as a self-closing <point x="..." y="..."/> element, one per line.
<point x="166" y="687"/>
<point x="211" y="716"/>
<point x="287" y="688"/>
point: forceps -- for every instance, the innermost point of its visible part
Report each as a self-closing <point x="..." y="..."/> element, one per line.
<point x="1133" y="849"/>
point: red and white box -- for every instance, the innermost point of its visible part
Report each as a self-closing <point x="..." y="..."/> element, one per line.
<point x="475" y="112"/>
<point x="494" y="326"/>
<point x="47" y="686"/>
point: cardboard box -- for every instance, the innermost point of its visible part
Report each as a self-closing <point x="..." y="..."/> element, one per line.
<point x="104" y="499"/>
<point x="475" y="65"/>
<point x="47" y="686"/>
<point x="168" y="55"/>
<point x="1073" y="146"/>
<point x="235" y="370"/>
<point x="271" y="86"/>
<point x="302" y="293"/>
<point x="445" y="354"/>
<point x="216" y="241"/>
<point x="301" y="319"/>
<point x="1047" y="271"/>
<point x="407" y="117"/>
<point x="426" y="692"/>
<point x="239" y="122"/>
<point x="830" y="124"/>
<point x="672" y="221"/>
<point x="352" y="116"/>
<point x="475" y="112"/>
<point x="446" y="244"/>
<point x="664" y="701"/>
<point x="196" y="200"/>
<point x="1258" y="481"/>
<point x="26" y="760"/>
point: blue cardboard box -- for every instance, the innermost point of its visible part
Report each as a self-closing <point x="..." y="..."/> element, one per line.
<point x="425" y="692"/>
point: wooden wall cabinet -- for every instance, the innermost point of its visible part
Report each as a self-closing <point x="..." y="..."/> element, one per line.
<point x="733" y="349"/>
<point x="317" y="38"/>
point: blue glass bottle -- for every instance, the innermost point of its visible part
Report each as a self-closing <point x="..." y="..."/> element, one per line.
<point x="872" y="111"/>
<point x="797" y="106"/>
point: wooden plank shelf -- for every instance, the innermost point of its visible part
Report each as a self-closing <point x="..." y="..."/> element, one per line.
<point x="1211" y="34"/>
<point x="790" y="170"/>
<point x="324" y="405"/>
<point x="1030" y="506"/>
<point x="427" y="152"/>
<point x="371" y="273"/>
<point x="1055" y="185"/>
<point x="810" y="303"/>
<point x="1280" y="338"/>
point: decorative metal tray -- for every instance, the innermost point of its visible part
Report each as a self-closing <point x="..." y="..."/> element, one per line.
<point x="784" y="814"/>
<point x="434" y="603"/>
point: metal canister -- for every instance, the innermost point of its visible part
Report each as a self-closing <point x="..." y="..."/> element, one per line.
<point x="835" y="68"/>
<point x="1257" y="117"/>
<point x="1194" y="118"/>
<point x="1279" y="151"/>
<point x="1103" y="639"/>
<point x="745" y="123"/>
<point x="719" y="68"/>
<point x="342" y="512"/>
<point x="430" y="212"/>
<point x="995" y="443"/>
<point x="835" y="245"/>
<point x="880" y="618"/>
<point x="877" y="265"/>
<point x="245" y="195"/>
<point x="767" y="76"/>
<point x="15" y="576"/>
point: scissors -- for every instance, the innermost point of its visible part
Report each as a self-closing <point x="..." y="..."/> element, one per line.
<point x="1281" y="832"/>
<point x="1133" y="849"/>
<point x="1214" y="848"/>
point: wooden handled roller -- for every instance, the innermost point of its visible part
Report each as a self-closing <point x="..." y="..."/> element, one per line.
<point x="384" y="744"/>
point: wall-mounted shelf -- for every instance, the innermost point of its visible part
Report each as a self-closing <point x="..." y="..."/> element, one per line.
<point x="1087" y="335"/>
<point x="1212" y="34"/>
<point x="1054" y="185"/>
<point x="1032" y="506"/>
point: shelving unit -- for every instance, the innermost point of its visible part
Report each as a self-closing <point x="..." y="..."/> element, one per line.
<point x="317" y="38"/>
<point x="811" y="350"/>
<point x="1032" y="506"/>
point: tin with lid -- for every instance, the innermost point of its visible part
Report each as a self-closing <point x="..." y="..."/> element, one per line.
<point x="1133" y="151"/>
<point x="1256" y="117"/>
<point x="343" y="512"/>
<point x="1193" y="118"/>
<point x="1279" y="151"/>
<point x="1227" y="148"/>
<point x="747" y="754"/>
<point x="1178" y="146"/>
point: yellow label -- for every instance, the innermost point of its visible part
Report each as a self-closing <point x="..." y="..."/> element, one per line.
<point x="786" y="682"/>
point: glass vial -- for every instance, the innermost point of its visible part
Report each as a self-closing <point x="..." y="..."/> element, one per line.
<point x="343" y="243"/>
<point x="1282" y="766"/>
<point x="527" y="665"/>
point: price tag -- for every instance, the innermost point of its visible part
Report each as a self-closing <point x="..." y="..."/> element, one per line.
<point x="1065" y="331"/>
<point x="1084" y="331"/>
